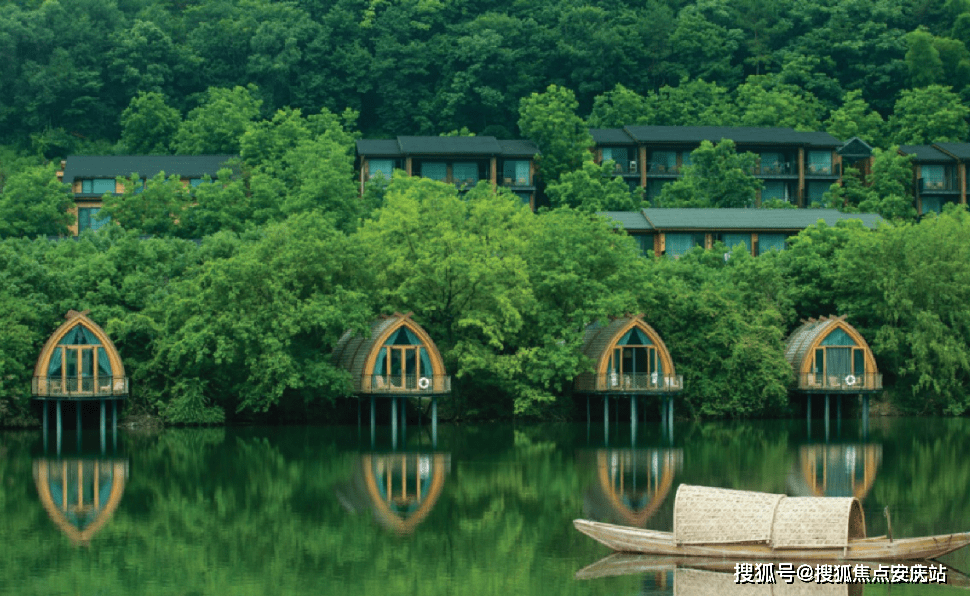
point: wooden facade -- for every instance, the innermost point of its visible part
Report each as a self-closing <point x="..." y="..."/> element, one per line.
<point x="397" y="358"/>
<point x="629" y="358"/>
<point x="78" y="362"/>
<point x="828" y="355"/>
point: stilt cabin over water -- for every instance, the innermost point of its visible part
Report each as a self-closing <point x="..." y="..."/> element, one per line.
<point x="79" y="362"/>
<point x="830" y="356"/>
<point x="630" y="358"/>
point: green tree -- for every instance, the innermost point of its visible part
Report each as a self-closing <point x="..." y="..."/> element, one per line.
<point x="923" y="59"/>
<point x="885" y="191"/>
<point x="764" y="101"/>
<point x="33" y="202"/>
<point x="148" y="124"/>
<point x="156" y="206"/>
<point x="621" y="107"/>
<point x="718" y="176"/>
<point x="218" y="123"/>
<point x="929" y="115"/>
<point x="854" y="118"/>
<point x="705" y="49"/>
<point x="550" y="120"/>
<point x="594" y="188"/>
<point x="694" y="103"/>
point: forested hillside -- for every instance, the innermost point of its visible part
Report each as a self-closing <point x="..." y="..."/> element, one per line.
<point x="70" y="68"/>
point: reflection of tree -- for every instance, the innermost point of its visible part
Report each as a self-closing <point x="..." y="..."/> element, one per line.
<point x="837" y="470"/>
<point x="80" y="495"/>
<point x="400" y="488"/>
<point x="631" y="484"/>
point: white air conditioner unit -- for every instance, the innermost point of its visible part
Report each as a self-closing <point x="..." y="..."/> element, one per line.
<point x="633" y="165"/>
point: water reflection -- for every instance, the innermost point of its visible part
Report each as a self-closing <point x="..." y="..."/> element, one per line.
<point x="835" y="470"/>
<point x="400" y="489"/>
<point x="80" y="494"/>
<point x="631" y="484"/>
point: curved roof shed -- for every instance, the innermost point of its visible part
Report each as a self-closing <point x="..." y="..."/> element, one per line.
<point x="629" y="357"/>
<point x="79" y="361"/>
<point x="396" y="357"/>
<point x="828" y="355"/>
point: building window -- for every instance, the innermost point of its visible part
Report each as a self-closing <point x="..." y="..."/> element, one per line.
<point x="768" y="242"/>
<point x="663" y="162"/>
<point x="820" y="162"/>
<point x="465" y="172"/>
<point x="193" y="182"/>
<point x="733" y="240"/>
<point x="621" y="157"/>
<point x="654" y="188"/>
<point x="516" y="173"/>
<point x="645" y="242"/>
<point x="931" y="204"/>
<point x="87" y="219"/>
<point x="384" y="167"/>
<point x="526" y="198"/>
<point x="933" y="177"/>
<point x="816" y="192"/>
<point x="775" y="190"/>
<point x="678" y="244"/>
<point x="98" y="186"/>
<point x="436" y="170"/>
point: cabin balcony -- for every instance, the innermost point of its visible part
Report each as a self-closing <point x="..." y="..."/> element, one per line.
<point x="405" y="385"/>
<point x="820" y="383"/>
<point x="631" y="383"/>
<point x="76" y="389"/>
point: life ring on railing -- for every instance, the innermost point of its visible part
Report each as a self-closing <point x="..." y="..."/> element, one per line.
<point x="424" y="383"/>
<point x="850" y="380"/>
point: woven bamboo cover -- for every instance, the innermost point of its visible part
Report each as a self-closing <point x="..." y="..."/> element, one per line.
<point x="817" y="522"/>
<point x="704" y="515"/>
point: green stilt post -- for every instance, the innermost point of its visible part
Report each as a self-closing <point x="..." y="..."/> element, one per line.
<point x="103" y="425"/>
<point x="633" y="419"/>
<point x="670" y="417"/>
<point x="114" y="423"/>
<point x="827" y="416"/>
<point x="404" y="420"/>
<point x="434" y="422"/>
<point x="44" y="422"/>
<point x="59" y="426"/>
<point x="606" y="416"/>
<point x="394" y="422"/>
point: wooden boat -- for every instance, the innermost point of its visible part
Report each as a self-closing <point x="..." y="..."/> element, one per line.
<point x="711" y="522"/>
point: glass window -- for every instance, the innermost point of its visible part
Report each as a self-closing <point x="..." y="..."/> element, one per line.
<point x="654" y="188"/>
<point x="933" y="178"/>
<point x="87" y="219"/>
<point x="771" y="162"/>
<point x="436" y="170"/>
<point x="98" y="186"/>
<point x="838" y="337"/>
<point x="663" y="161"/>
<point x="515" y="172"/>
<point x="685" y="158"/>
<point x="816" y="192"/>
<point x="384" y="167"/>
<point x="620" y="155"/>
<point x="465" y="172"/>
<point x="819" y="162"/>
<point x="193" y="182"/>
<point x="526" y="198"/>
<point x="732" y="240"/>
<point x="768" y="242"/>
<point x="677" y="244"/>
<point x="932" y="204"/>
<point x="645" y="242"/>
<point x="775" y="190"/>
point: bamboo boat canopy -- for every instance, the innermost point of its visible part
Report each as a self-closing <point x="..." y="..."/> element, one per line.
<point x="704" y="515"/>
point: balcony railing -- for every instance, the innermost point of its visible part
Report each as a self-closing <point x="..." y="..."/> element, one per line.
<point x="631" y="383"/>
<point x="84" y="388"/>
<point x="947" y="184"/>
<point x="411" y="384"/>
<point x="847" y="383"/>
<point x="513" y="182"/>
<point x="781" y="168"/>
<point x="626" y="167"/>
<point x="823" y="170"/>
<point x="662" y="168"/>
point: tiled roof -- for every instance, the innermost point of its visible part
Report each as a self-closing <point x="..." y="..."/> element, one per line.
<point x="146" y="166"/>
<point x="518" y="148"/>
<point x="925" y="153"/>
<point x="630" y="220"/>
<point x="378" y="147"/>
<point x="610" y="136"/>
<point x="740" y="134"/>
<point x="748" y="219"/>
<point x="855" y="148"/>
<point x="449" y="145"/>
<point x="959" y="150"/>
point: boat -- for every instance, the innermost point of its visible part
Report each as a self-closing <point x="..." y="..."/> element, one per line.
<point x="724" y="523"/>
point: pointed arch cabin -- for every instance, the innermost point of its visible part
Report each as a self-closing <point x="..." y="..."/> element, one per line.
<point x="78" y="362"/>
<point x="396" y="358"/>
<point x="629" y="358"/>
<point x="828" y="355"/>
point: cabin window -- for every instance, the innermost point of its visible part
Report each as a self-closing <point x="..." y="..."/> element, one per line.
<point x="772" y="163"/>
<point x="837" y="357"/>
<point x="654" y="188"/>
<point x="436" y="170"/>
<point x="88" y="219"/>
<point x="78" y="361"/>
<point x="193" y="182"/>
<point x="820" y="162"/>
<point x="933" y="177"/>
<point x="685" y="159"/>
<point x="768" y="242"/>
<point x="732" y="240"/>
<point x="516" y="173"/>
<point x="402" y="361"/>
<point x="645" y="242"/>
<point x="634" y="361"/>
<point x="384" y="167"/>
<point x="621" y="157"/>
<point x="931" y="204"/>
<point x="98" y="186"/>
<point x="775" y="190"/>
<point x="663" y="162"/>
<point x="816" y="192"/>
<point x="678" y="244"/>
<point x="526" y="198"/>
<point x="465" y="172"/>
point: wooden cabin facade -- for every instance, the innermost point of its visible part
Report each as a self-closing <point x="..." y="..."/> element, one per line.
<point x="79" y="362"/>
<point x="629" y="358"/>
<point x="828" y="355"/>
<point x="939" y="174"/>
<point x="397" y="358"/>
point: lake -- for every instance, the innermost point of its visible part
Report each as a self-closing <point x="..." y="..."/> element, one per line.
<point x="485" y="510"/>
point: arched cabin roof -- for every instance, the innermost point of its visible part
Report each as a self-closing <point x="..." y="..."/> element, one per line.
<point x="599" y="341"/>
<point x="810" y="334"/>
<point x="358" y="354"/>
<point x="116" y="385"/>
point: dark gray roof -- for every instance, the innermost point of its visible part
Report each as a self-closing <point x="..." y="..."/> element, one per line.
<point x="449" y="145"/>
<point x="379" y="147"/>
<point x="610" y="136"/>
<point x="518" y="148"/>
<point x="631" y="221"/>
<point x="146" y="166"/>
<point x="855" y="149"/>
<point x="747" y="135"/>
<point x="959" y="150"/>
<point x="925" y="153"/>
<point x="749" y="219"/>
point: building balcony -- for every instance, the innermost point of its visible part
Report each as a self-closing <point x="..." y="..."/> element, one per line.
<point x="405" y="385"/>
<point x="520" y="182"/>
<point x="938" y="186"/>
<point x="820" y="383"/>
<point x="817" y="170"/>
<point x="660" y="169"/>
<point x="76" y="389"/>
<point x="631" y="383"/>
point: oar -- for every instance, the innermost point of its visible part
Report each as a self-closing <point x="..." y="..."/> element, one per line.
<point x="889" y="523"/>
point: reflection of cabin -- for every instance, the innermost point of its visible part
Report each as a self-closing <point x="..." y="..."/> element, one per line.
<point x="838" y="470"/>
<point x="629" y="358"/>
<point x="79" y="361"/>
<point x="631" y="484"/>
<point x="829" y="356"/>
<point x="400" y="489"/>
<point x="80" y="495"/>
<point x="396" y="358"/>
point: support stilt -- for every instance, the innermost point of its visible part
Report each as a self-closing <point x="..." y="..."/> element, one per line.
<point x="865" y="416"/>
<point x="404" y="420"/>
<point x="434" y="422"/>
<point x="670" y="418"/>
<point x="103" y="424"/>
<point x="633" y="419"/>
<point x="808" y="410"/>
<point x="826" y="416"/>
<point x="606" y="416"/>
<point x="59" y="426"/>
<point x="838" y="414"/>
<point x="114" y="424"/>
<point x="43" y="417"/>
<point x="394" y="422"/>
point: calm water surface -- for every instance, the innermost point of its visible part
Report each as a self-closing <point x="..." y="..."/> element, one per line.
<point x="487" y="510"/>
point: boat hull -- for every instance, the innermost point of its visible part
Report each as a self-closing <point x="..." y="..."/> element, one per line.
<point x="652" y="542"/>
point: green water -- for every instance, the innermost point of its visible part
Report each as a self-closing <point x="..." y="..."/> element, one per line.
<point x="487" y="510"/>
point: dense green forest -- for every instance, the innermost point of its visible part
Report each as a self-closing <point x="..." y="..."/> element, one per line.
<point x="239" y="326"/>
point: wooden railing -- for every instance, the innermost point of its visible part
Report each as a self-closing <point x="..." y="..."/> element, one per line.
<point x="631" y="383"/>
<point x="79" y="388"/>
<point x="408" y="384"/>
<point x="847" y="383"/>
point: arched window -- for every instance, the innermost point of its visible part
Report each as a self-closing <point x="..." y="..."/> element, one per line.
<point x="635" y="357"/>
<point x="403" y="360"/>
<point x="79" y="362"/>
<point x="838" y="356"/>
